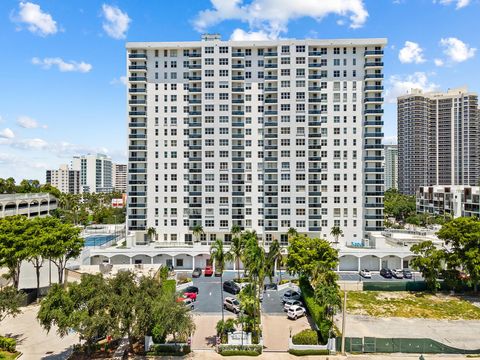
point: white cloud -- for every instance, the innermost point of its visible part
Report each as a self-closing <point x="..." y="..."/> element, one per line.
<point x="438" y="62"/>
<point x="122" y="80"/>
<point x="456" y="50"/>
<point x="116" y="21"/>
<point x="37" y="21"/>
<point x="459" y="3"/>
<point x="30" y="144"/>
<point x="390" y="140"/>
<point x="272" y="16"/>
<point x="63" y="66"/>
<point x="241" y="35"/>
<point x="399" y="85"/>
<point x="29" y="123"/>
<point x="411" y="53"/>
<point x="7" y="134"/>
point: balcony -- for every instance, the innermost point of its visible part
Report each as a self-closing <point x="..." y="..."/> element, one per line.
<point x="373" y="88"/>
<point x="137" y="171"/>
<point x="268" y="170"/>
<point x="373" y="146"/>
<point x="137" y="136"/>
<point x="315" y="76"/>
<point x="373" y="193"/>
<point x="238" y="147"/>
<point x="373" y="76"/>
<point x="194" y="78"/>
<point x="137" y="193"/>
<point x="374" y="182"/>
<point x="314" y="123"/>
<point x="373" y="111"/>
<point x="238" y="158"/>
<point x="194" y="89"/>
<point x="194" y="55"/>
<point x="271" y="66"/>
<point x="373" y="205"/>
<point x="270" y="53"/>
<point x="238" y="170"/>
<point x="195" y="66"/>
<point x="238" y="124"/>
<point x="195" y="147"/>
<point x="238" y="54"/>
<point x="137" y="90"/>
<point x="137" y="56"/>
<point x="238" y="77"/>
<point x="194" y="101"/>
<point x="269" y="88"/>
<point x="373" y="100"/>
<point x="238" y="101"/>
<point x="314" y="100"/>
<point x="238" y="136"/>
<point x="140" y="159"/>
<point x="270" y="101"/>
<point x="194" y="113"/>
<point x="271" y="112"/>
<point x="314" y="112"/>
<point x="373" y="170"/>
<point x="238" y="89"/>
<point x="137" y="113"/>
<point x="137" y="78"/>
<point x="270" y="123"/>
<point x="137" y="67"/>
<point x="314" y="65"/>
<point x="137" y="124"/>
<point x="373" y="64"/>
<point x="271" y="136"/>
<point x="238" y="66"/>
<point x="373" y="52"/>
<point x="271" y="158"/>
<point x="137" y="147"/>
<point x="373" y="134"/>
<point x="238" y="112"/>
<point x="314" y="88"/>
<point x="314" y="53"/>
<point x="271" y="77"/>
<point x="374" y="158"/>
<point x="372" y="123"/>
<point x="137" y="102"/>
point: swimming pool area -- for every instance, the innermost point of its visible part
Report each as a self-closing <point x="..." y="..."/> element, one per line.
<point x="99" y="240"/>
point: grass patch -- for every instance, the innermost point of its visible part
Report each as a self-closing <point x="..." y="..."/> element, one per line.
<point x="4" y="355"/>
<point x="239" y="353"/>
<point x="411" y="305"/>
<point x="308" y="352"/>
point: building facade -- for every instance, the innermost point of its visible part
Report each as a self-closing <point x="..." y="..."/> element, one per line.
<point x="95" y="172"/>
<point x="438" y="139"/>
<point x="30" y="205"/>
<point x="64" y="179"/>
<point x="119" y="177"/>
<point x="391" y="167"/>
<point x="265" y="135"/>
<point x="454" y="200"/>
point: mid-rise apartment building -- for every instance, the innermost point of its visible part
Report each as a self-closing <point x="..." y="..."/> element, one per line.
<point x="119" y="177"/>
<point x="438" y="139"/>
<point x="266" y="135"/>
<point x="454" y="200"/>
<point x="64" y="179"/>
<point x="95" y="172"/>
<point x="391" y="167"/>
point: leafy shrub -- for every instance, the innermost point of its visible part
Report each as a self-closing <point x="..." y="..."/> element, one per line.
<point x="240" y="350"/>
<point x="8" y="344"/>
<point x="315" y="310"/>
<point x="305" y="337"/>
<point x="308" y="352"/>
<point x="169" y="349"/>
<point x="170" y="286"/>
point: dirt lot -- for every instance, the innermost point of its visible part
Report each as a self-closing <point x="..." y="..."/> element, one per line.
<point x="276" y="330"/>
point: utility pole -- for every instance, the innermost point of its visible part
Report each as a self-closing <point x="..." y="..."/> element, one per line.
<point x="343" y="319"/>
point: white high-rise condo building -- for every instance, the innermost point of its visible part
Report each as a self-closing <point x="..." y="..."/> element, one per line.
<point x="119" y="177"/>
<point x="266" y="135"/>
<point x="95" y="172"/>
<point x="438" y="139"/>
<point x="64" y="179"/>
<point x="391" y="167"/>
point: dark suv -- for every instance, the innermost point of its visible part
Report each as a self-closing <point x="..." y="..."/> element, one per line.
<point x="231" y="287"/>
<point x="386" y="273"/>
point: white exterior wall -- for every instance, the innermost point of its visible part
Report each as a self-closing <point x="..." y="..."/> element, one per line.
<point x="95" y="172"/>
<point x="156" y="133"/>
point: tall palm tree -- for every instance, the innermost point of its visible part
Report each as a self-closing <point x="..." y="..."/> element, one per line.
<point x="336" y="232"/>
<point x="151" y="233"/>
<point x="275" y="256"/>
<point x="197" y="231"/>
<point x="292" y="232"/>
<point x="236" y="250"/>
<point x="217" y="256"/>
<point x="235" y="231"/>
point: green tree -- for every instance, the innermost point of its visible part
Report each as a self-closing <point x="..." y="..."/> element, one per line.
<point x="217" y="256"/>
<point x="274" y="258"/>
<point x="429" y="262"/>
<point x="13" y="245"/>
<point x="291" y="233"/>
<point x="307" y="256"/>
<point x="10" y="302"/>
<point x="236" y="250"/>
<point x="462" y="235"/>
<point x="223" y="327"/>
<point x="398" y="205"/>
<point x="197" y="231"/>
<point x="336" y="232"/>
<point x="151" y="233"/>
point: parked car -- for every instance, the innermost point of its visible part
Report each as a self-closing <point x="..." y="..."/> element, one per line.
<point x="197" y="272"/>
<point x="290" y="303"/>
<point x="231" y="304"/>
<point x="271" y="286"/>
<point x="397" y="273"/>
<point x="218" y="272"/>
<point x="191" y="289"/>
<point x="189" y="303"/>
<point x="366" y="274"/>
<point x="295" y="312"/>
<point x="208" y="271"/>
<point x="386" y="273"/>
<point x="190" y="295"/>
<point x="231" y="287"/>
<point x="291" y="295"/>
<point x="407" y="274"/>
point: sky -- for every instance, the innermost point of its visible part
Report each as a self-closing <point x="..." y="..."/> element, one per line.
<point x="62" y="68"/>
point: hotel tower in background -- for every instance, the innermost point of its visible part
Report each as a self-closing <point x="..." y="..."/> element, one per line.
<point x="266" y="135"/>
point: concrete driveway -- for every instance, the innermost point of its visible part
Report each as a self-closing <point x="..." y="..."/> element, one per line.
<point x="32" y="340"/>
<point x="277" y="329"/>
<point x="205" y="330"/>
<point x="462" y="334"/>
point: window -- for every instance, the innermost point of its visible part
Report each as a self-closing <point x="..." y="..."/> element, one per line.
<point x="300" y="48"/>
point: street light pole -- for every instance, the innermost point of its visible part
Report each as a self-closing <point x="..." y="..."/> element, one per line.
<point x="343" y="319"/>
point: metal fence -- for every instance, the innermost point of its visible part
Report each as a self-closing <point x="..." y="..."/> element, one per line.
<point x="399" y="345"/>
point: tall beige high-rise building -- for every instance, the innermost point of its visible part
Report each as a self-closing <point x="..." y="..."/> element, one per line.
<point x="438" y="139"/>
<point x="119" y="177"/>
<point x="64" y="179"/>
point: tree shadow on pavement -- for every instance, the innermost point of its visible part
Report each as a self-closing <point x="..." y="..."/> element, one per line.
<point x="65" y="354"/>
<point x="211" y="340"/>
<point x="18" y="337"/>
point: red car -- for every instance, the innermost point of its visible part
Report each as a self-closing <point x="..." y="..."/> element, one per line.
<point x="191" y="295"/>
<point x="208" y="270"/>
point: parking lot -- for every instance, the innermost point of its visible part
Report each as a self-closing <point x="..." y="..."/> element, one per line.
<point x="354" y="276"/>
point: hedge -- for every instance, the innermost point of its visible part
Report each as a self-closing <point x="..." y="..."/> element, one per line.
<point x="247" y="350"/>
<point x="308" y="352"/>
<point x="316" y="311"/>
<point x="305" y="337"/>
<point x="169" y="349"/>
<point x="8" y="344"/>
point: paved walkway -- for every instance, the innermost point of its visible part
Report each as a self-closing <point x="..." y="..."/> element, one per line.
<point x="205" y="330"/>
<point x="462" y="334"/>
<point x="277" y="328"/>
<point x="32" y="340"/>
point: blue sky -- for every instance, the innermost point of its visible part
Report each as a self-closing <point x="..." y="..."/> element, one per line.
<point x="62" y="61"/>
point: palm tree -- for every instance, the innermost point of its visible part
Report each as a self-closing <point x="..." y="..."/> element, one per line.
<point x="235" y="231"/>
<point x="236" y="250"/>
<point x="197" y="231"/>
<point x="292" y="232"/>
<point x="336" y="232"/>
<point x="275" y="256"/>
<point x="151" y="233"/>
<point x="217" y="256"/>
